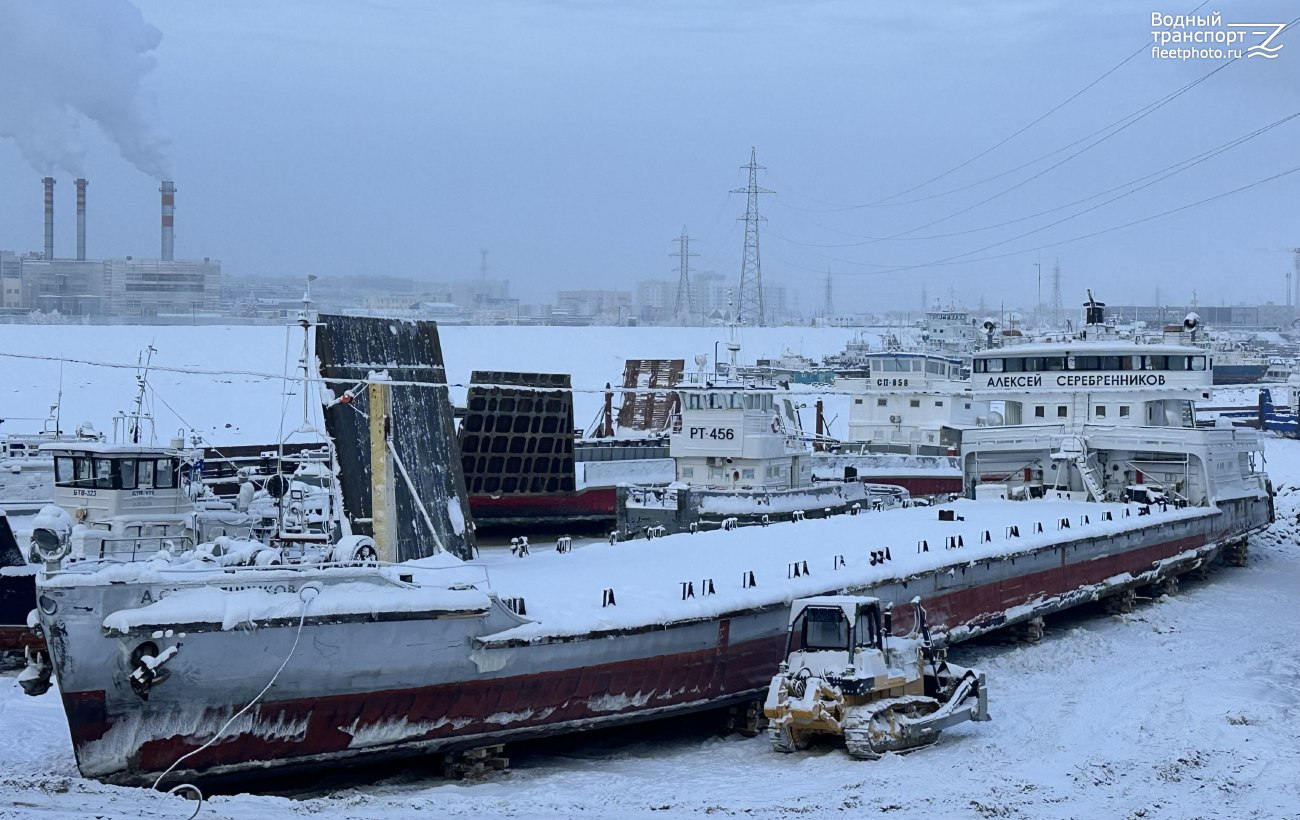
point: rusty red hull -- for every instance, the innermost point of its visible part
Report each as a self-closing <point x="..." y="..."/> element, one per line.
<point x="597" y="504"/>
<point x="922" y="486"/>
<point x="477" y="712"/>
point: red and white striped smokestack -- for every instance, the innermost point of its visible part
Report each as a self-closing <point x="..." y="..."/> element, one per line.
<point x="81" y="219"/>
<point x="49" y="218"/>
<point x="168" y="191"/>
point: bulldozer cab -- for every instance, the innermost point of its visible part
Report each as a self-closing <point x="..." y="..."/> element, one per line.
<point x="834" y="624"/>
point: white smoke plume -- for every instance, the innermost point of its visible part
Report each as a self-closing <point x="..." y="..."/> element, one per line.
<point x="66" y="61"/>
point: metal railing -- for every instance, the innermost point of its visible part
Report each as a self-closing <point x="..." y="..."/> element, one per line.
<point x="142" y="548"/>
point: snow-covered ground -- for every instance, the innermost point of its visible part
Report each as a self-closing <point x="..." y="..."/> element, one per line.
<point x="1190" y="707"/>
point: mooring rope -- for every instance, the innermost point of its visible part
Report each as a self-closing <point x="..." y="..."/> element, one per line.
<point x="306" y="600"/>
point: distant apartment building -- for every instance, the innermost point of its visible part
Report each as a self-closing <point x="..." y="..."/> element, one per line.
<point x="11" y="281"/>
<point x="712" y="298"/>
<point x="390" y="302"/>
<point x="601" y="306"/>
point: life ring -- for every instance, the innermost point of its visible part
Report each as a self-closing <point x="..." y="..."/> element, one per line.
<point x="776" y="424"/>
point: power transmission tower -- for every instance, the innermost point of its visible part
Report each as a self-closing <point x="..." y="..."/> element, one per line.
<point x="1056" y="294"/>
<point x="684" y="310"/>
<point x="828" y="309"/>
<point x="750" y="307"/>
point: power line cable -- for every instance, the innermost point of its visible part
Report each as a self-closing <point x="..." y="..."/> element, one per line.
<point x="1162" y="174"/>
<point x="1001" y="142"/>
<point x="954" y="260"/>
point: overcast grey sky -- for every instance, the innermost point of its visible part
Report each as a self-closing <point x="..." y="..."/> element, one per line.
<point x="574" y="139"/>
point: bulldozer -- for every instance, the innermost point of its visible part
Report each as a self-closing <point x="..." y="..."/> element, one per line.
<point x="845" y="675"/>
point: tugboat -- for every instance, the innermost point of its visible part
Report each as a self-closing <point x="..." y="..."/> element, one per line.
<point x="741" y="458"/>
<point x="906" y="421"/>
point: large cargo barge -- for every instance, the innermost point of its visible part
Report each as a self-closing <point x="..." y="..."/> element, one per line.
<point x="160" y="660"/>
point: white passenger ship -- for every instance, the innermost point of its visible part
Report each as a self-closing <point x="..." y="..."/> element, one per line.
<point x="1106" y="420"/>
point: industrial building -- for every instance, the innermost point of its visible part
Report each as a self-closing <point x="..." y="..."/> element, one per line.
<point x="130" y="287"/>
<point x="1234" y="317"/>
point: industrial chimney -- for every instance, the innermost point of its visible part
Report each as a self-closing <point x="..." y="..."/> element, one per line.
<point x="81" y="219"/>
<point x="168" y="190"/>
<point x="49" y="218"/>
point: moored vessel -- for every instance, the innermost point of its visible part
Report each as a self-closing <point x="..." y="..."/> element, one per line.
<point x="410" y="649"/>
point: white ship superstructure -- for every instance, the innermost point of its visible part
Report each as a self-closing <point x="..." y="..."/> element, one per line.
<point x="734" y="436"/>
<point x="950" y="331"/>
<point x="1107" y="420"/>
<point x="912" y="403"/>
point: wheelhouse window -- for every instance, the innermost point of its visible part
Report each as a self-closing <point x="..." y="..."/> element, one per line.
<point x="126" y="473"/>
<point x="73" y="471"/>
<point x="100" y="473"/>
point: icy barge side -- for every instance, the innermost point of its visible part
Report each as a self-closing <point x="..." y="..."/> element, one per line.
<point x="403" y="667"/>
